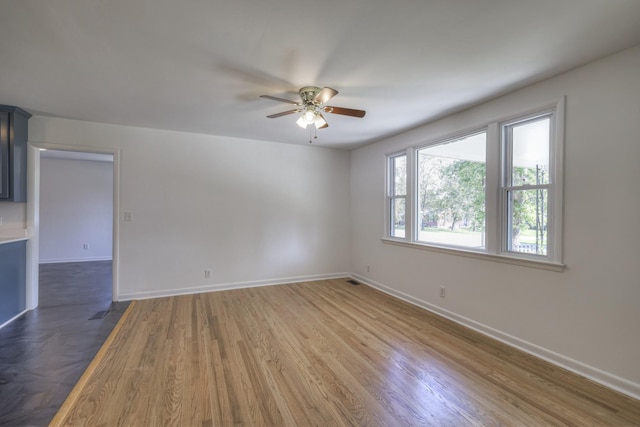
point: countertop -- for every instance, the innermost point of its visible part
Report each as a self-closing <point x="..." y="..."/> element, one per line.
<point x="10" y="236"/>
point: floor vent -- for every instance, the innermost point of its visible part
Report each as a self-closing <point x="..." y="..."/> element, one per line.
<point x="99" y="315"/>
<point x="353" y="282"/>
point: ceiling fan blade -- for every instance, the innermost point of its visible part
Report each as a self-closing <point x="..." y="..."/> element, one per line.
<point x="284" y="113"/>
<point x="344" y="111"/>
<point x="273" y="98"/>
<point x="324" y="95"/>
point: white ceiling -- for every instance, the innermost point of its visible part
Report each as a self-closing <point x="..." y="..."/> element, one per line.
<point x="200" y="65"/>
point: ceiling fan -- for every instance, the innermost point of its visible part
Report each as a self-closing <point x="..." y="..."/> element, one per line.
<point x="311" y="105"/>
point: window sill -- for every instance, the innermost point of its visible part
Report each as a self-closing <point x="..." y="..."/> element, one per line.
<point x="523" y="262"/>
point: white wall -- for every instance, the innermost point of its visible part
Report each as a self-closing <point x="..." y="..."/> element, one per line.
<point x="76" y="208"/>
<point x="13" y="217"/>
<point x="253" y="212"/>
<point x="586" y="317"/>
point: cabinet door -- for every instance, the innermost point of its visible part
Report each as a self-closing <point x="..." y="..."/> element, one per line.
<point x="4" y="155"/>
<point x="18" y="125"/>
<point x="13" y="273"/>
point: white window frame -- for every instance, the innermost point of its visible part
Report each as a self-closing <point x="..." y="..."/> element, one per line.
<point x="391" y="196"/>
<point x="506" y="186"/>
<point x="495" y="210"/>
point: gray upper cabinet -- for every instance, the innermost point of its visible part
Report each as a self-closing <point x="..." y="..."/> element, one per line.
<point x="13" y="153"/>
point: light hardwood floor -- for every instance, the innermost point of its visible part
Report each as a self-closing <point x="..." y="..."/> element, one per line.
<point x="322" y="353"/>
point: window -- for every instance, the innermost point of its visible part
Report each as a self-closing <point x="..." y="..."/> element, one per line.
<point x="397" y="195"/>
<point x="526" y="184"/>
<point x="496" y="191"/>
<point x="451" y="192"/>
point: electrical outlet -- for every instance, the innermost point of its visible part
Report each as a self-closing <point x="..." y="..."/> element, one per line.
<point x="85" y="246"/>
<point x="128" y="216"/>
<point x="207" y="273"/>
<point x="443" y="292"/>
<point x="0" y="220"/>
<point x="368" y="269"/>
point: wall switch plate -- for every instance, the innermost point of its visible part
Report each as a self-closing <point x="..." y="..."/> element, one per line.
<point x="128" y="216"/>
<point x="443" y="292"/>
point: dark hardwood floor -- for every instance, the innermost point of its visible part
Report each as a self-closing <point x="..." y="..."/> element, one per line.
<point x="44" y="352"/>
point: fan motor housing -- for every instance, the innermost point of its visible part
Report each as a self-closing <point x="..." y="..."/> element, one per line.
<point x="307" y="94"/>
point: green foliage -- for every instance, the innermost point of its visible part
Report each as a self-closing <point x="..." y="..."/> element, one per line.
<point x="452" y="191"/>
<point x="528" y="206"/>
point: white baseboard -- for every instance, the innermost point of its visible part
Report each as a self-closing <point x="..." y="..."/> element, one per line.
<point x="225" y="286"/>
<point x="607" y="379"/>
<point x="12" y="319"/>
<point x="62" y="260"/>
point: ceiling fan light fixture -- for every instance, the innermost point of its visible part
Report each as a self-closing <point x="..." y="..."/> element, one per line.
<point x="312" y="105"/>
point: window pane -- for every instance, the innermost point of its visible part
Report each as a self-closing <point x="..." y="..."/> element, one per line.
<point x="399" y="166"/>
<point x="528" y="221"/>
<point x="397" y="217"/>
<point x="451" y="192"/>
<point x="530" y="152"/>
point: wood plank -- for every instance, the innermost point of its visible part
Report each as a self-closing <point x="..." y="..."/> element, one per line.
<point x="96" y="363"/>
<point x="323" y="353"/>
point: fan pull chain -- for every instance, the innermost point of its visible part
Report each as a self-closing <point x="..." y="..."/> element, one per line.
<point x="315" y="134"/>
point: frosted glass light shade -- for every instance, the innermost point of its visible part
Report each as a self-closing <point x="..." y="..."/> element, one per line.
<point x="319" y="121"/>
<point x="302" y="122"/>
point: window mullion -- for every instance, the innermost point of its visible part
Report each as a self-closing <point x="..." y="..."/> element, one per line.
<point x="410" y="201"/>
<point x="492" y="185"/>
<point x="556" y="193"/>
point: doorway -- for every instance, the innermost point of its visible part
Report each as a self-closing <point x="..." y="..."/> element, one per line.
<point x="76" y="221"/>
<point x="74" y="230"/>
